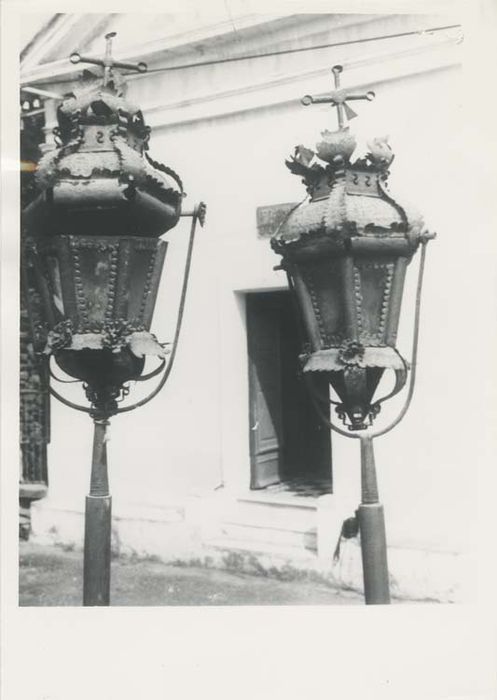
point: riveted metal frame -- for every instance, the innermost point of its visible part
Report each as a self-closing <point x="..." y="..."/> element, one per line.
<point x="396" y="292"/>
<point x="384" y="296"/>
<point x="119" y="255"/>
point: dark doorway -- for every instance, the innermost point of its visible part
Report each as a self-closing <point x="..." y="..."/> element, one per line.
<point x="288" y="443"/>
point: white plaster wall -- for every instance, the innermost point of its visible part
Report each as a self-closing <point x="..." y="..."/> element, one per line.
<point x="244" y="155"/>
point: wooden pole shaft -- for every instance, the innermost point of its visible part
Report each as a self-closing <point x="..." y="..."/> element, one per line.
<point x="96" y="571"/>
<point x="372" y="531"/>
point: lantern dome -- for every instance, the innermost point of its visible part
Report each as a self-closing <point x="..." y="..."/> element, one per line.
<point x="101" y="163"/>
<point x="346" y="198"/>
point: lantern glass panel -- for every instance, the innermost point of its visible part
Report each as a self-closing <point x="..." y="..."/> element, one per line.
<point x="56" y="286"/>
<point x="373" y="281"/>
<point x="96" y="273"/>
<point x="140" y="262"/>
<point x="324" y="282"/>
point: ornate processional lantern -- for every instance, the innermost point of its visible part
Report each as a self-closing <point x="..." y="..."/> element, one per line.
<point x="346" y="249"/>
<point x="94" y="260"/>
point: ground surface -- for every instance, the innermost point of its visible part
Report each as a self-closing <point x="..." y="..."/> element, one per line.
<point x="49" y="575"/>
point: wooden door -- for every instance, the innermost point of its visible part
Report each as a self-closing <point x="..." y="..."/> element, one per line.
<point x="264" y="351"/>
<point x="307" y="441"/>
<point x="287" y="438"/>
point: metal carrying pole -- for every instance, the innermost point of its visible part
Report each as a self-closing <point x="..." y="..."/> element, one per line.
<point x="372" y="531"/>
<point x="96" y="571"/>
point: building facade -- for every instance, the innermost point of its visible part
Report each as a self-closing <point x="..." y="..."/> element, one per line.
<point x="33" y="371"/>
<point x="230" y="465"/>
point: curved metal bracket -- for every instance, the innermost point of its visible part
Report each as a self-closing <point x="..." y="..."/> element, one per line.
<point x="66" y="402"/>
<point x="198" y="214"/>
<point x="400" y="380"/>
<point x="153" y="373"/>
<point x="58" y="379"/>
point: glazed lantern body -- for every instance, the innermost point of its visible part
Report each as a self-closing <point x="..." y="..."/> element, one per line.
<point x="93" y="253"/>
<point x="98" y="294"/>
<point x="346" y="249"/>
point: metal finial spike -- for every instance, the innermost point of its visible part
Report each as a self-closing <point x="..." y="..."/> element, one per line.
<point x="108" y="46"/>
<point x="108" y="62"/>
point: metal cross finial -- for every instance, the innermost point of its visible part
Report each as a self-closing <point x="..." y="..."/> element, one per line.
<point x="107" y="62"/>
<point x="338" y="98"/>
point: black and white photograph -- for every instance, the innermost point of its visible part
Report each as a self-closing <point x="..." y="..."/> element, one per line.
<point x="253" y="287"/>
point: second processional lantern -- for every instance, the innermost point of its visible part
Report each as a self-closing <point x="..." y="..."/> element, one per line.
<point x="346" y="249"/>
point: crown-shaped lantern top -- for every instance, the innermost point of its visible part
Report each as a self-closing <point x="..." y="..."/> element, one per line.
<point x="348" y="196"/>
<point x="100" y="98"/>
<point x="101" y="164"/>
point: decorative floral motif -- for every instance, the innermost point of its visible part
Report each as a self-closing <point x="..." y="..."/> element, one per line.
<point x="351" y="353"/>
<point x="380" y="152"/>
<point x="304" y="162"/>
<point x="59" y="337"/>
<point x="115" y="336"/>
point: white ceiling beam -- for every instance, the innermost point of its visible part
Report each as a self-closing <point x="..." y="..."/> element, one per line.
<point x="31" y="71"/>
<point x="49" y="41"/>
<point x="285" y="89"/>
